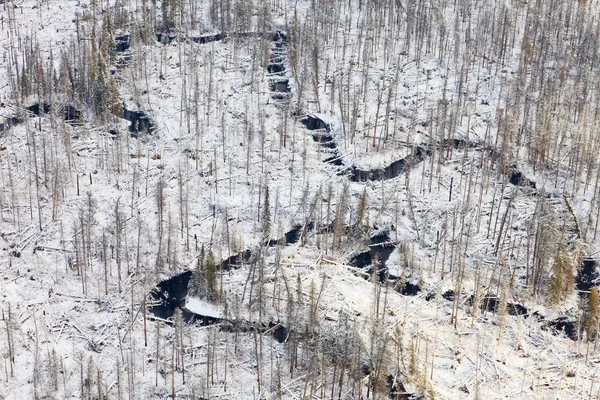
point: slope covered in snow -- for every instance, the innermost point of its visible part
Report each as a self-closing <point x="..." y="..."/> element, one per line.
<point x="310" y="199"/>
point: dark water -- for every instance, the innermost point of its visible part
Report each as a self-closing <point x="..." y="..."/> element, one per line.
<point x="278" y="83"/>
<point x="563" y="325"/>
<point x="380" y="249"/>
<point x="410" y="289"/>
<point x="169" y="37"/>
<point x="587" y="276"/>
<point x="122" y="43"/>
<point x="8" y="123"/>
<point x="321" y="134"/>
<point x="313" y="123"/>
<point x="236" y="261"/>
<point x="165" y="37"/>
<point x="207" y="38"/>
<point x="293" y="235"/>
<point x="517" y="178"/>
<point x="391" y="171"/>
<point x="140" y="121"/>
<point x="492" y="303"/>
<point x="280" y="86"/>
<point x="38" y="109"/>
<point x="70" y="113"/>
<point x="170" y="294"/>
<point x="275" y="68"/>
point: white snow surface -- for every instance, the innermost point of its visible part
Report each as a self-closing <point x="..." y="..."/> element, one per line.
<point x="89" y="320"/>
<point x="202" y="307"/>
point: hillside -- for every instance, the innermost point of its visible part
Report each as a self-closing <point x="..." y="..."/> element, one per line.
<point x="288" y="200"/>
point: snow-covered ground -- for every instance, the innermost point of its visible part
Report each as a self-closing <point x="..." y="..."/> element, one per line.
<point x="92" y="217"/>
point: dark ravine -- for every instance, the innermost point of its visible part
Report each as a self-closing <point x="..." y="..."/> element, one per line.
<point x="9" y="122"/>
<point x="236" y="261"/>
<point x="169" y="37"/>
<point x="562" y="325"/>
<point x="279" y="84"/>
<point x="492" y="304"/>
<point x="170" y="295"/>
<point x="391" y="171"/>
<point x="70" y="113"/>
<point x="587" y="277"/>
<point x="380" y="248"/>
<point x="140" y="121"/>
<point x="293" y="235"/>
<point x="321" y="133"/>
<point x="517" y="178"/>
<point x="122" y="43"/>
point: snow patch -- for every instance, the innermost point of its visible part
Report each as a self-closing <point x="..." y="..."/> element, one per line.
<point x="202" y="307"/>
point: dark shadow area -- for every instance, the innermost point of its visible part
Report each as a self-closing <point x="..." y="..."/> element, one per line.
<point x="282" y="86"/>
<point x="391" y="171"/>
<point x="70" y="113"/>
<point x="313" y="123"/>
<point x="397" y="391"/>
<point x="492" y="304"/>
<point x="140" y="121"/>
<point x="9" y="122"/>
<point x="122" y="43"/>
<point x="587" y="277"/>
<point x="207" y="38"/>
<point x="408" y="289"/>
<point x="236" y="261"/>
<point x="517" y="178"/>
<point x="563" y="325"/>
<point x="380" y="248"/>
<point x="170" y="294"/>
<point x="166" y="38"/>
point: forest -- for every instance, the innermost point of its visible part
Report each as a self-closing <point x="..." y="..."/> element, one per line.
<point x="299" y="199"/>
